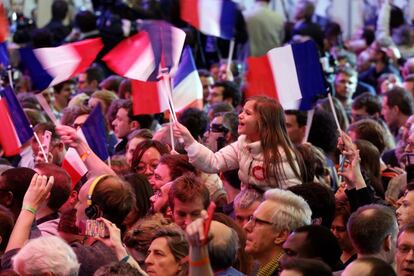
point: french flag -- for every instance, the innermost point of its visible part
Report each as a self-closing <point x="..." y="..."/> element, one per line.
<point x="211" y="17"/>
<point x="187" y="87"/>
<point x="50" y="66"/>
<point x="139" y="57"/>
<point x="4" y="33"/>
<point x="151" y="97"/>
<point x="289" y="74"/>
<point x="74" y="166"/>
<point x="15" y="129"/>
<point x="94" y="133"/>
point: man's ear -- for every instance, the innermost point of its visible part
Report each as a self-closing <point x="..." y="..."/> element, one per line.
<point x="387" y="243"/>
<point x="229" y="101"/>
<point x="228" y="137"/>
<point x="134" y="125"/>
<point x="281" y="237"/>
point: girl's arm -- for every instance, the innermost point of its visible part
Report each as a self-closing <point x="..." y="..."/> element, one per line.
<point x="69" y="137"/>
<point x="202" y="157"/>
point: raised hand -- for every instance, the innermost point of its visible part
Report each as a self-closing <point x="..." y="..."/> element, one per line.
<point x="68" y="135"/>
<point x="38" y="191"/>
<point x="182" y="133"/>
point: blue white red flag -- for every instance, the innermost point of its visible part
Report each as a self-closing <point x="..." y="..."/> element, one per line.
<point x="140" y="57"/>
<point x="94" y="133"/>
<point x="211" y="17"/>
<point x="291" y="74"/>
<point x="15" y="128"/>
<point x="74" y="166"/>
<point x="4" y="33"/>
<point x="50" y="66"/>
<point x="187" y="87"/>
<point x="151" y="97"/>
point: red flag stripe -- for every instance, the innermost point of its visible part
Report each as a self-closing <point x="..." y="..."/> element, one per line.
<point x="8" y="138"/>
<point x="189" y="12"/>
<point x="259" y="76"/>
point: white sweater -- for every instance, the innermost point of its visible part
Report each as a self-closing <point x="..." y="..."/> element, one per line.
<point x="248" y="158"/>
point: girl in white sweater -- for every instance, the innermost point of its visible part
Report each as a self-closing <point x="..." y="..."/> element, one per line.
<point x="263" y="153"/>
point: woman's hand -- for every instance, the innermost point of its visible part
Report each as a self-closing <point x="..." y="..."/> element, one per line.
<point x="38" y="191"/>
<point x="182" y="133"/>
<point x="68" y="136"/>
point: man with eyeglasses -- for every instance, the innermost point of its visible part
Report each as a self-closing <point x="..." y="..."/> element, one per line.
<point x="405" y="251"/>
<point x="222" y="131"/>
<point x="270" y="225"/>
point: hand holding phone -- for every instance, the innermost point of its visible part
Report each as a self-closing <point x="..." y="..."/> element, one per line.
<point x="97" y="229"/>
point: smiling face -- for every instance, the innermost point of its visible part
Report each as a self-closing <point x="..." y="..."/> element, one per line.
<point x="160" y="260"/>
<point x="248" y="122"/>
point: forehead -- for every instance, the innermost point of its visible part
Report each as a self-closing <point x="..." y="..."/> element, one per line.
<point x="266" y="209"/>
<point x="195" y="204"/>
<point x="290" y="118"/>
<point x="160" y="244"/>
<point x="217" y="120"/>
<point x="409" y="196"/>
<point x="295" y="241"/>
<point x="406" y="238"/>
<point x="151" y="154"/>
<point x="250" y="104"/>
<point x="122" y="112"/>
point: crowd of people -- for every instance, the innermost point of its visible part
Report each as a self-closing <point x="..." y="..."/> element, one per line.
<point x="294" y="192"/>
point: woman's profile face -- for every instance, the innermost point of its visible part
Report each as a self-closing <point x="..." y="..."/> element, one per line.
<point x="160" y="260"/>
<point x="149" y="162"/>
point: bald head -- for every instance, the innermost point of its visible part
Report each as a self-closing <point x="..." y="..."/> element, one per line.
<point x="223" y="247"/>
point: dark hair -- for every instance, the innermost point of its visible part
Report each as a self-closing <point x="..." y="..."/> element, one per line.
<point x="315" y="164"/>
<point x="111" y="83"/>
<point x="217" y="108"/>
<point x="59" y="9"/>
<point x="142" y="147"/>
<point x="370" y="130"/>
<point x="94" y="73"/>
<point x="370" y="164"/>
<point x="307" y="267"/>
<point x="399" y="97"/>
<point x="145" y="120"/>
<point x="142" y="190"/>
<point x="58" y="87"/>
<point x="230" y="91"/>
<point x="6" y="226"/>
<point x="70" y="113"/>
<point x="301" y="116"/>
<point x="177" y="164"/>
<point x="114" y="198"/>
<point x="369" y="226"/>
<point x="124" y="87"/>
<point x="232" y="177"/>
<point x="117" y="269"/>
<point x="231" y="122"/>
<point x="187" y="188"/>
<point x="17" y="181"/>
<point x="321" y="243"/>
<point x="177" y="243"/>
<point x="195" y="120"/>
<point x="378" y="267"/>
<point x="204" y="73"/>
<point x="371" y="103"/>
<point x="85" y="21"/>
<point x="62" y="185"/>
<point x="323" y="132"/>
<point x="321" y="200"/>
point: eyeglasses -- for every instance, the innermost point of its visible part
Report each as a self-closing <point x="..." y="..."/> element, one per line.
<point x="405" y="249"/>
<point x="255" y="220"/>
<point x="218" y="128"/>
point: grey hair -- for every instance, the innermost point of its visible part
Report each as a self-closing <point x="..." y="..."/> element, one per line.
<point x="246" y="198"/>
<point x="46" y="254"/>
<point x="224" y="254"/>
<point x="292" y="212"/>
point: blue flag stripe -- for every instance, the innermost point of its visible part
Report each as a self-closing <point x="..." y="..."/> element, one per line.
<point x="4" y="54"/>
<point x="187" y="65"/>
<point x="309" y="73"/>
<point x="20" y="121"/>
<point x="95" y="133"/>
<point x="228" y="19"/>
<point x="40" y="77"/>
